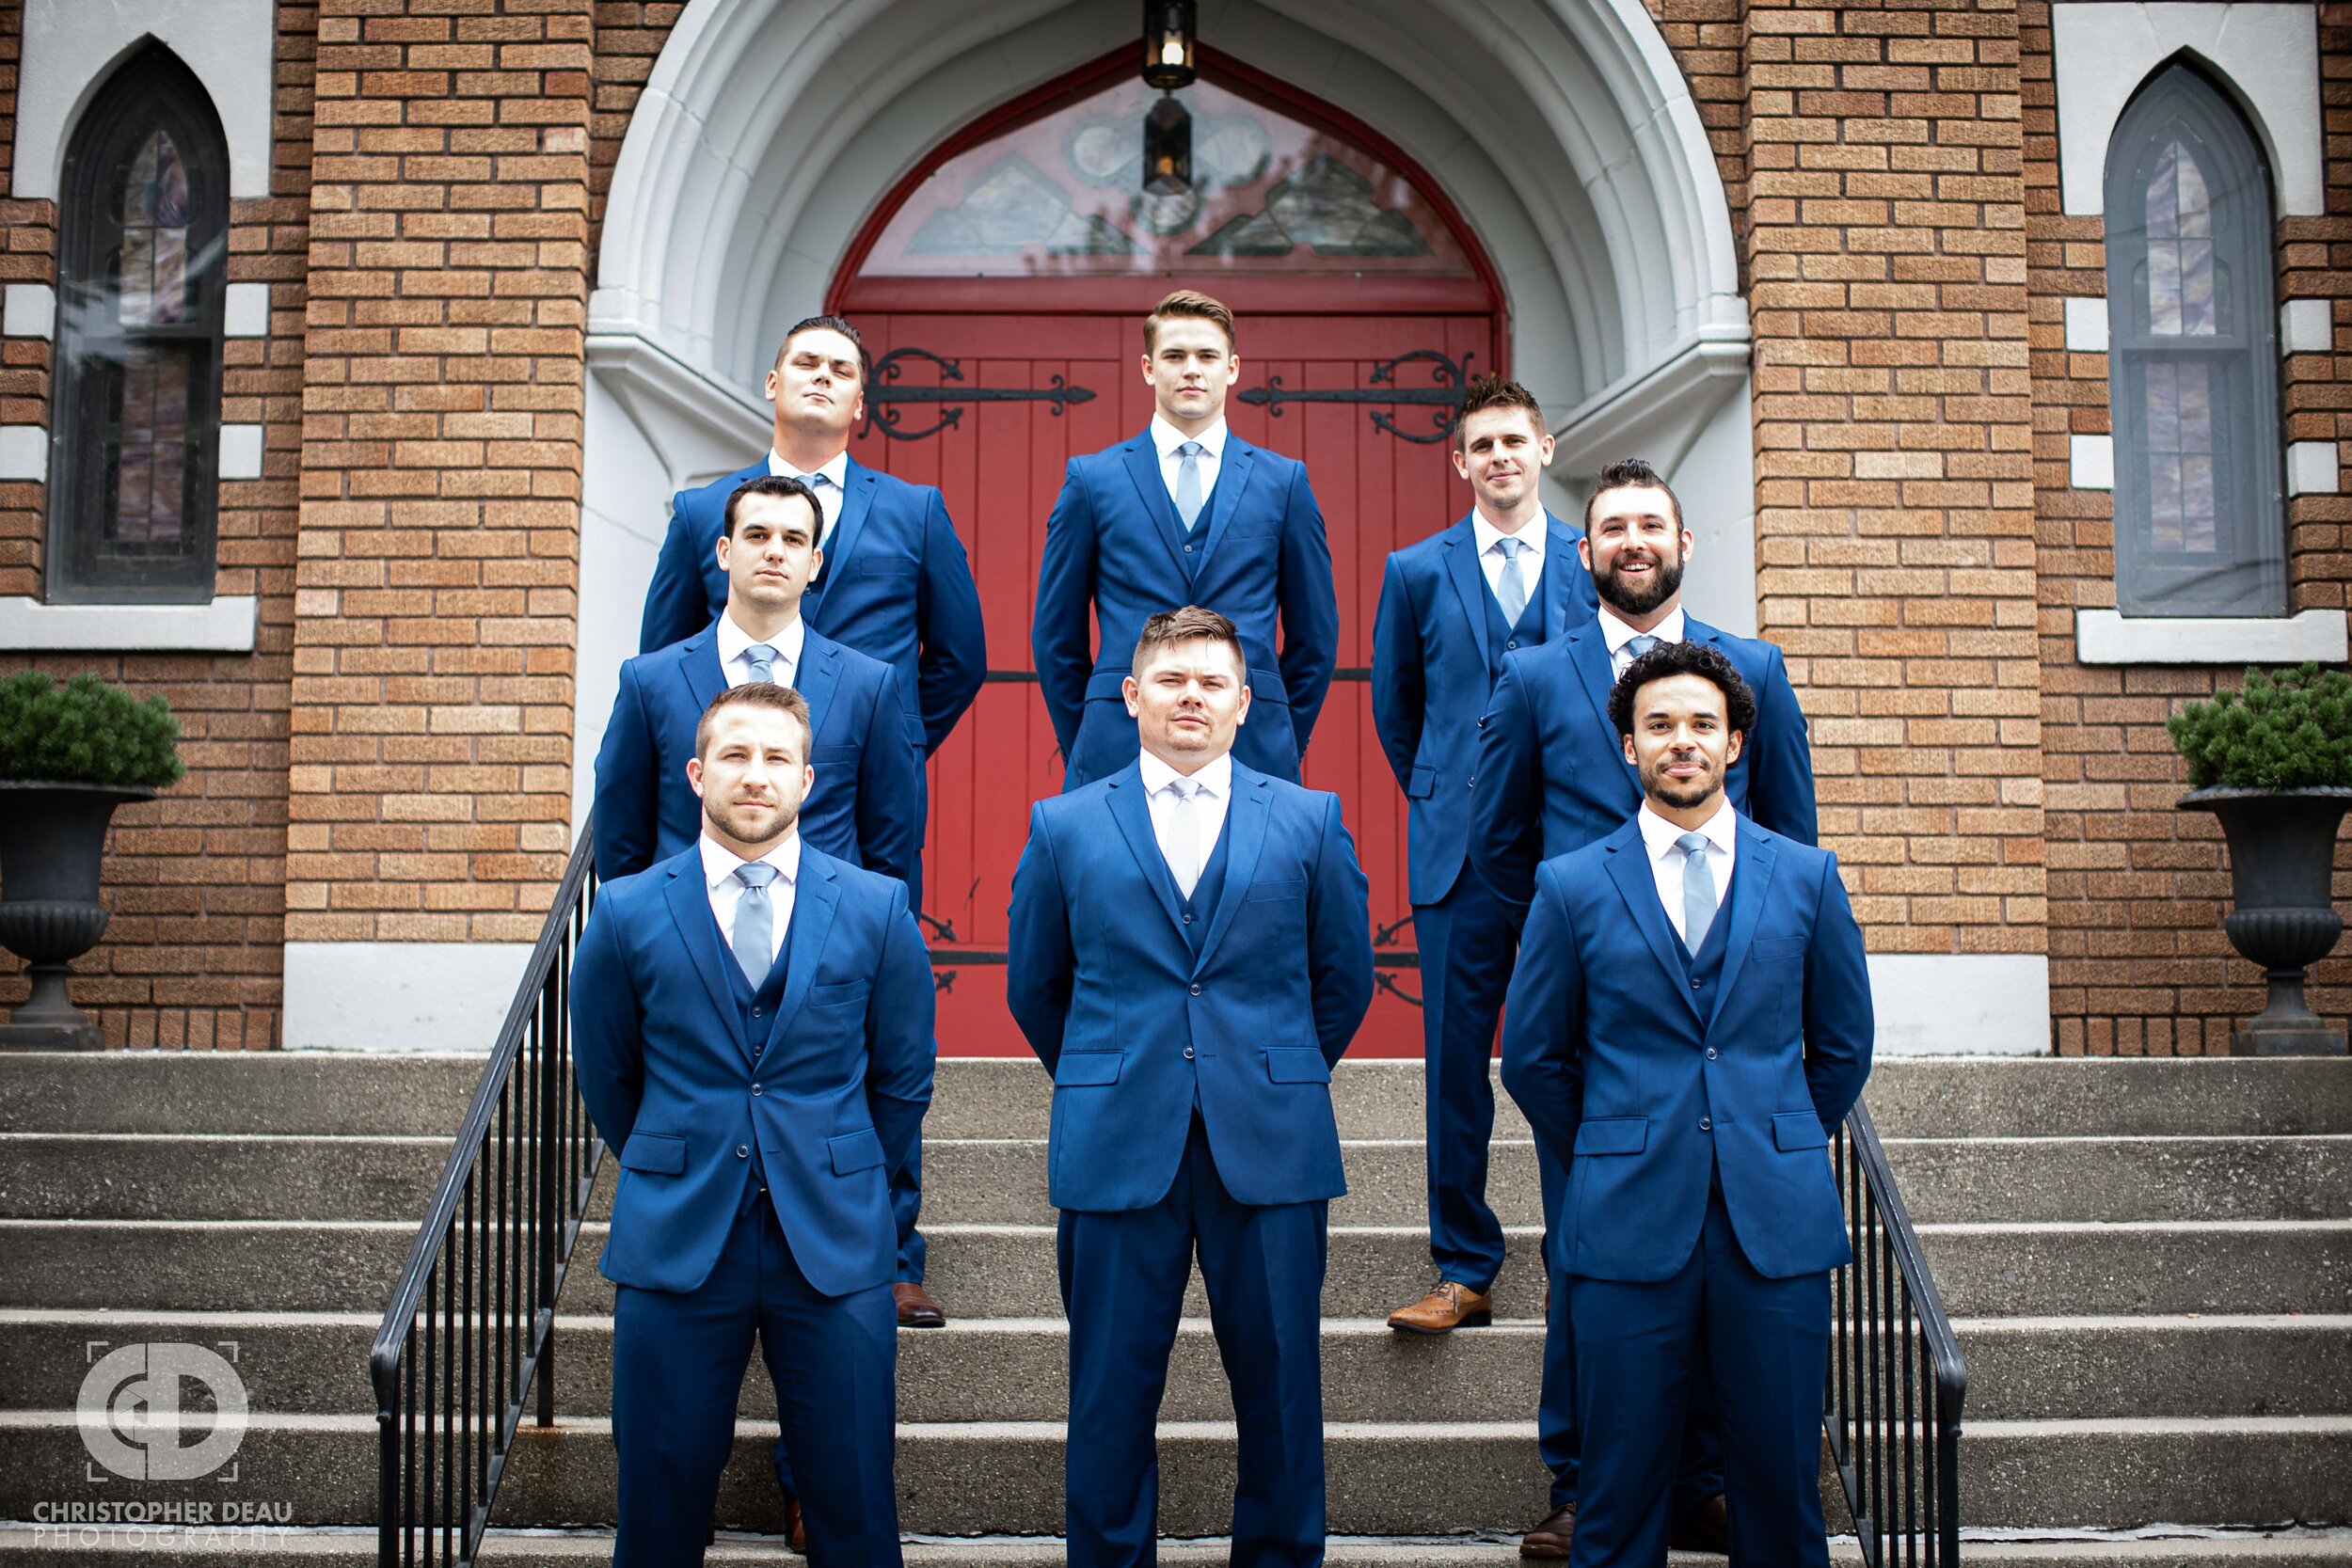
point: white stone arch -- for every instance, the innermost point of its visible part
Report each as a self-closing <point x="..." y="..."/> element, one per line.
<point x="769" y="130"/>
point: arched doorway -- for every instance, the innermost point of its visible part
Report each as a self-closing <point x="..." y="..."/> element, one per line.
<point x="1001" y="290"/>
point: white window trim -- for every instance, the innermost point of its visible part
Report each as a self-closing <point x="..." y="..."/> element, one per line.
<point x="2111" y="637"/>
<point x="225" y="626"/>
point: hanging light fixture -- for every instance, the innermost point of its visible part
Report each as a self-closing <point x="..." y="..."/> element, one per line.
<point x="1167" y="40"/>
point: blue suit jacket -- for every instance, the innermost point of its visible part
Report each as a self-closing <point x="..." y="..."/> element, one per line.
<point x="1434" y="667"/>
<point x="1548" y="756"/>
<point x="1131" y="1026"/>
<point x="668" y="1075"/>
<point x="866" y="804"/>
<point x="896" y="587"/>
<point x="1115" y="553"/>
<point x="1604" y="1049"/>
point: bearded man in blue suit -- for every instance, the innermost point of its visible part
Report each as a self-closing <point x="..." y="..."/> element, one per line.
<point x="1185" y="514"/>
<point x="752" y="1021"/>
<point x="1191" y="953"/>
<point x="1689" y="1022"/>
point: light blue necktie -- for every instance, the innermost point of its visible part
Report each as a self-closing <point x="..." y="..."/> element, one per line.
<point x="1510" y="586"/>
<point x="762" y="659"/>
<point x="1698" y="891"/>
<point x="1188" y="484"/>
<point x="755" y="922"/>
<point x="1640" y="643"/>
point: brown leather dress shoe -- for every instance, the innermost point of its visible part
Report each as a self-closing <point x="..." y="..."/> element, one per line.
<point x="1451" y="1305"/>
<point x="917" y="1309"/>
<point x="1706" y="1528"/>
<point x="1552" y="1538"/>
<point x="795" y="1533"/>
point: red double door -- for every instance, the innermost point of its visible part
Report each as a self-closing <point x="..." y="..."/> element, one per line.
<point x="991" y="408"/>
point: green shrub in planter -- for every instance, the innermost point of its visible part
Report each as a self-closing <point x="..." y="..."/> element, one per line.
<point x="85" y="732"/>
<point x="2291" y="730"/>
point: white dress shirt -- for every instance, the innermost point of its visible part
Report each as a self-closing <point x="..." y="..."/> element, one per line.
<point x="830" y="482"/>
<point x="726" y="891"/>
<point x="1617" y="634"/>
<point x="1187" y="830"/>
<point x="735" y="645"/>
<point x="1531" y="538"/>
<point x="1165" y="438"/>
<point x="1666" y="857"/>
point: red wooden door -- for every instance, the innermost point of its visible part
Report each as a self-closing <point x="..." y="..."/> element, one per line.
<point x="991" y="408"/>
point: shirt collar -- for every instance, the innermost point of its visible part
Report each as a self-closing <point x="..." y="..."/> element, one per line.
<point x="1530" y="537"/>
<point x="836" y="469"/>
<point x="1216" y="777"/>
<point x="1659" y="835"/>
<point x="733" y="640"/>
<point x="1617" y="634"/>
<point x="1165" y="438"/>
<point x="719" y="862"/>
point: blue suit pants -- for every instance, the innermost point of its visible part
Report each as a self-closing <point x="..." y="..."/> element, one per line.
<point x="1467" y="949"/>
<point x="1762" y="1344"/>
<point x="678" y="1371"/>
<point x="1123" y="1285"/>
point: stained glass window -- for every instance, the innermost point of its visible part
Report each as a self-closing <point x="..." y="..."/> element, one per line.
<point x="2193" y="372"/>
<point x="142" y="281"/>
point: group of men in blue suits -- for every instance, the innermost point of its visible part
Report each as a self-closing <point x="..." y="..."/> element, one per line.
<point x="1189" y="955"/>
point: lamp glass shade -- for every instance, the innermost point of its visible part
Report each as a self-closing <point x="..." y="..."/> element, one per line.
<point x="1168" y="29"/>
<point x="1168" y="149"/>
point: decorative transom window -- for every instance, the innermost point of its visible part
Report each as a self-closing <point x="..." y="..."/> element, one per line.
<point x="142" y="281"/>
<point x="2193" y="363"/>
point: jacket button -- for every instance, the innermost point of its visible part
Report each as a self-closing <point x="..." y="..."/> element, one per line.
<point x="1187" y="917"/>
<point x="755" y="1013"/>
<point x="1711" y="1056"/>
<point x="1188" y="549"/>
<point x="1196" y="991"/>
<point x="1695" y="985"/>
<point x="755" y="1087"/>
<point x="1188" y="1053"/>
<point x="1482" y="720"/>
<point x="742" y="1152"/>
<point x="1706" y="1124"/>
<point x="1510" y="646"/>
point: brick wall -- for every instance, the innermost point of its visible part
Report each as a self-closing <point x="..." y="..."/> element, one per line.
<point x="440" y="469"/>
<point x="2138" y="963"/>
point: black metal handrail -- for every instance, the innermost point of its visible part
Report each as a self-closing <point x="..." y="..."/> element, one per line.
<point x="1891" y="1402"/>
<point x="471" y="1331"/>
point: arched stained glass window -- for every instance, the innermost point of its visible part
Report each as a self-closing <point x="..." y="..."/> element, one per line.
<point x="142" y="281"/>
<point x="2193" y="363"/>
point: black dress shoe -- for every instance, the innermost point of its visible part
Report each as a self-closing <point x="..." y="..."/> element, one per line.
<point x="1550" y="1539"/>
<point x="1703" y="1527"/>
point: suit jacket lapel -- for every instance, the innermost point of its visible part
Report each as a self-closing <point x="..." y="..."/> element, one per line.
<point x="1470" y="583"/>
<point x="1143" y="468"/>
<point x="1630" y="868"/>
<point x="1751" y="874"/>
<point x="690" y="907"/>
<point x="857" y="499"/>
<point x="1561" y="565"/>
<point x="1233" y="476"/>
<point x="1133" y="813"/>
<point x="1245" y="838"/>
<point x="698" y="663"/>
<point x="818" y="677"/>
<point x="814" y="897"/>
<point x="1589" y="652"/>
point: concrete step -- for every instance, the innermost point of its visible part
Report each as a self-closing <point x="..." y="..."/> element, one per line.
<point x="1417" y="1478"/>
<point x="1956" y="1181"/>
<point x="324" y="1092"/>
<point x="1015" y="1369"/>
<point x="978" y="1270"/>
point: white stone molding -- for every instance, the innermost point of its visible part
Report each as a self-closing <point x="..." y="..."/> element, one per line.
<point x="71" y="46"/>
<point x="404" y="996"/>
<point x="2111" y="637"/>
<point x="30" y="310"/>
<point x="224" y="626"/>
<point x="246" y="313"/>
<point x="2306" y="326"/>
<point x="2267" y="55"/>
<point x="1960" y="1004"/>
<point x="2090" y="462"/>
<point x="2087" y="324"/>
<point x="240" y="452"/>
<point x="23" y="453"/>
<point x="2313" y="469"/>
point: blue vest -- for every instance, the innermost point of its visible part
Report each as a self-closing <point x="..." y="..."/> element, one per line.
<point x="1198" y="908"/>
<point x="763" y="1001"/>
<point x="1500" y="637"/>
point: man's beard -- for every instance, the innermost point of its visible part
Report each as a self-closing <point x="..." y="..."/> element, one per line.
<point x="719" y="819"/>
<point x="1665" y="580"/>
<point x="1682" y="795"/>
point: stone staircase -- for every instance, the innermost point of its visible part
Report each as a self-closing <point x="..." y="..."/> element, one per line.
<point x="2149" y="1264"/>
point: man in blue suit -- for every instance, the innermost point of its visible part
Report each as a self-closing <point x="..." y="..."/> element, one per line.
<point x="1553" y="778"/>
<point x="752" y="1021"/>
<point x="894" y="584"/>
<point x="865" y="805"/>
<point x="1689" y="1022"/>
<point x="1451" y="607"/>
<point x="1186" y="513"/>
<point x="1191" y="953"/>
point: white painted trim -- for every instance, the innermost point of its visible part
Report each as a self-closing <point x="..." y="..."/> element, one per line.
<point x="30" y="311"/>
<point x="240" y="452"/>
<point x="247" y="314"/>
<point x="225" y="626"/>
<point x="399" y="996"/>
<point x="1664" y="407"/>
<point x="2306" y="326"/>
<point x="2090" y="462"/>
<point x="2087" y="324"/>
<point x="698" y="427"/>
<point x="2313" y="469"/>
<point x="2268" y="55"/>
<point x="2111" y="637"/>
<point x="1961" y="1004"/>
<point x="23" y="453"/>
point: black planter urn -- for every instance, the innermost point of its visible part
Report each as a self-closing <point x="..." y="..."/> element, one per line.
<point x="2282" y="857"/>
<point x="53" y="837"/>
